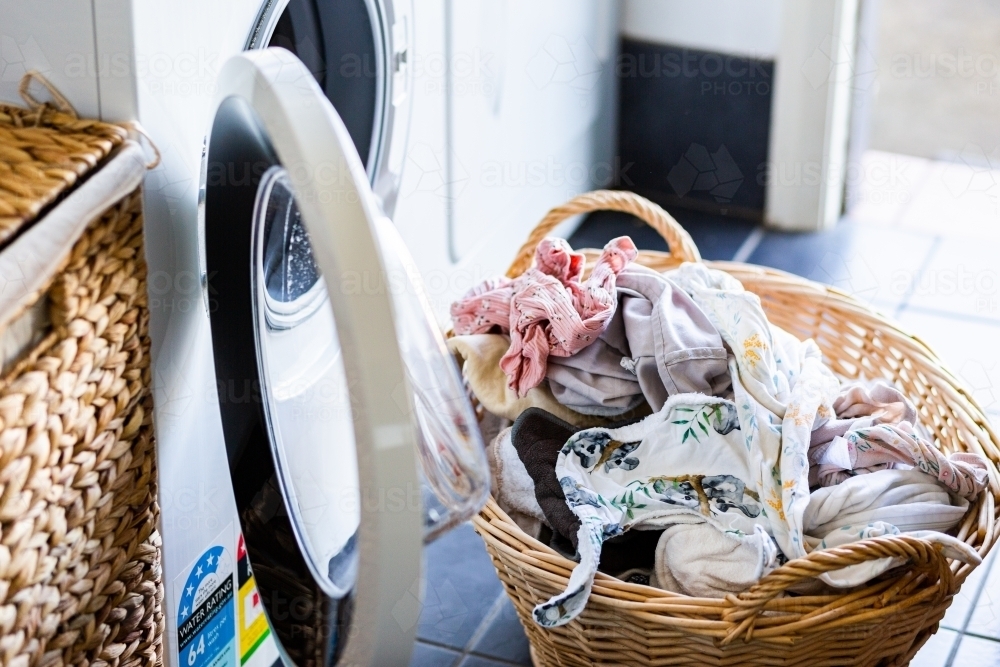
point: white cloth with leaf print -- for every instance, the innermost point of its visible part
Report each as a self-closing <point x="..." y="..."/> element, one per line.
<point x="687" y="463"/>
<point x="780" y="387"/>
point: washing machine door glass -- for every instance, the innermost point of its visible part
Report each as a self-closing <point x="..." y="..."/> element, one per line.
<point x="370" y="444"/>
<point x="306" y="398"/>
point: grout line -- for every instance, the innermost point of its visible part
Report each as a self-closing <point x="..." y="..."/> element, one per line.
<point x="749" y="244"/>
<point x="980" y="636"/>
<point x="484" y="625"/>
<point x="904" y="302"/>
<point x="437" y="644"/>
<point x="897" y="220"/>
<point x="968" y="615"/>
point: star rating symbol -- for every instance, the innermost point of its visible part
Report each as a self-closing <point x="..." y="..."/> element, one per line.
<point x="204" y="575"/>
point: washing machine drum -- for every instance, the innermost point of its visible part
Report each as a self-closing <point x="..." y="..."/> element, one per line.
<point x="350" y="438"/>
<point x="358" y="52"/>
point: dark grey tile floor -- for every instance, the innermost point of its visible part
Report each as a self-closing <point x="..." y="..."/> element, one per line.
<point x="944" y="288"/>
<point x="467" y="620"/>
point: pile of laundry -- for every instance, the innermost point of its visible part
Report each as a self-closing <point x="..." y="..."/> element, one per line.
<point x="656" y="427"/>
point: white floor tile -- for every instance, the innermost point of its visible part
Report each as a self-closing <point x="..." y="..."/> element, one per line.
<point x="962" y="277"/>
<point x="985" y="619"/>
<point x="936" y="651"/>
<point x="962" y="603"/>
<point x="977" y="652"/>
<point x="970" y="350"/>
<point x="958" y="199"/>
<point x="883" y="184"/>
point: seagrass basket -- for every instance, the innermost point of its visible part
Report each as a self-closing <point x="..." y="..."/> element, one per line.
<point x="80" y="580"/>
<point x="882" y="623"/>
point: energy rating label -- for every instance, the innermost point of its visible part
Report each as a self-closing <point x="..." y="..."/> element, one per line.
<point x="206" y="623"/>
<point x="250" y="609"/>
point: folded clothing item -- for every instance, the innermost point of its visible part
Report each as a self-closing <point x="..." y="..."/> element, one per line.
<point x="861" y="404"/>
<point x="512" y="487"/>
<point x="714" y="564"/>
<point x="885" y="445"/>
<point x="873" y="430"/>
<point x="480" y="363"/>
<point x="908" y="499"/>
<point x="549" y="311"/>
<point x="699" y="559"/>
<point x="600" y="378"/>
<point x="883" y="502"/>
<point x="876" y="399"/>
<point x="855" y="574"/>
<point x="538" y="437"/>
<point x="659" y="343"/>
<point x="613" y="480"/>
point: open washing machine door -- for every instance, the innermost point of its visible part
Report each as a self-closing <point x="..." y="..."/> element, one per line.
<point x="349" y="436"/>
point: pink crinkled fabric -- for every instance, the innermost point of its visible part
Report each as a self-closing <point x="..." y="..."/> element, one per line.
<point x="547" y="310"/>
<point x="483" y="307"/>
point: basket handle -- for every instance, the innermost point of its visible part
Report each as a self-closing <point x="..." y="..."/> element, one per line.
<point x="678" y="241"/>
<point x="923" y="556"/>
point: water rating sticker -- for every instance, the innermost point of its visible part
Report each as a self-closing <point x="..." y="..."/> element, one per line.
<point x="250" y="609"/>
<point x="206" y="624"/>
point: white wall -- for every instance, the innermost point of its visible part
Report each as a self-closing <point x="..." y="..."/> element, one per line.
<point x="525" y="121"/>
<point x="422" y="206"/>
<point x="56" y="38"/>
<point x="741" y="27"/>
<point x="98" y="85"/>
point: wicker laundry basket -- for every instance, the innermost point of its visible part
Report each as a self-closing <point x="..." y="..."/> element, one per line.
<point x="79" y="551"/>
<point x="882" y="623"/>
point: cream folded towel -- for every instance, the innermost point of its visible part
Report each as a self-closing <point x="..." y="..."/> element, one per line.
<point x="699" y="559"/>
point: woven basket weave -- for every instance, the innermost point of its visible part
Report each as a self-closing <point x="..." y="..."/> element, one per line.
<point x="882" y="623"/>
<point x="80" y="580"/>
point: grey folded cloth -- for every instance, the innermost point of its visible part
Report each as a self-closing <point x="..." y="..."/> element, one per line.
<point x="594" y="381"/>
<point x="658" y="343"/>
